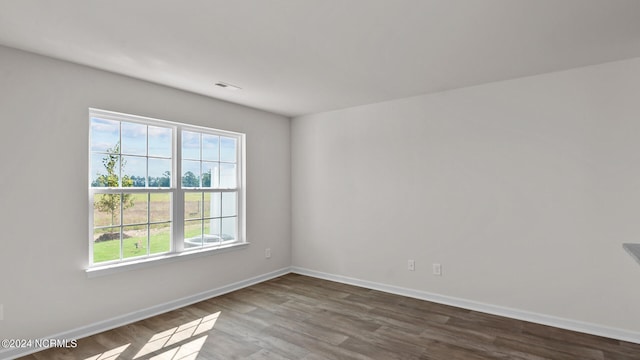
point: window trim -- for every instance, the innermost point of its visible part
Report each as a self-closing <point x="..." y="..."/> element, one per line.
<point x="165" y="258"/>
<point x="177" y="250"/>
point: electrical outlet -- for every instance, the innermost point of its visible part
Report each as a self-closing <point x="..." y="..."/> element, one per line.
<point x="411" y="265"/>
<point x="267" y="253"/>
<point x="437" y="269"/>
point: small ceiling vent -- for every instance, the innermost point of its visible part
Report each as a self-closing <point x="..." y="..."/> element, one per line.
<point x="227" y="86"/>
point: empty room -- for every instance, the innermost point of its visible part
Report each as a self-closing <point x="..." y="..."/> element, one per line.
<point x="320" y="179"/>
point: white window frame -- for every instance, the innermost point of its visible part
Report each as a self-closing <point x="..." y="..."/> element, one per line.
<point x="177" y="250"/>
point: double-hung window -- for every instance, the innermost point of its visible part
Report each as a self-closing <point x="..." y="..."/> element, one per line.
<point x="159" y="188"/>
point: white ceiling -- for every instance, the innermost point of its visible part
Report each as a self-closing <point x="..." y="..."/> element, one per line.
<point x="297" y="57"/>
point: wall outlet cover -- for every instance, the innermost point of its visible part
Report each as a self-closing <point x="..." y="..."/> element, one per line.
<point x="437" y="269"/>
<point x="411" y="265"/>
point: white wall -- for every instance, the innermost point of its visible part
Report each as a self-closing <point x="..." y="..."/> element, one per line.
<point x="43" y="189"/>
<point x="524" y="190"/>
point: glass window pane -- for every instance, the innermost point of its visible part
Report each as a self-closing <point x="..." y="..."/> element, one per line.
<point x="193" y="205"/>
<point x="106" y="209"/>
<point x="135" y="208"/>
<point x="212" y="232"/>
<point x="190" y="145"/>
<point x="105" y="134"/>
<point x="227" y="149"/>
<point x="105" y="170"/>
<point x="228" y="176"/>
<point x="211" y="205"/>
<point x="159" y="238"/>
<point x="190" y="173"/>
<point x="106" y="244"/>
<point x="210" y="174"/>
<point x="192" y="234"/>
<point x="134" y="139"/>
<point x="97" y="171"/>
<point x="134" y="171"/>
<point x="159" y="172"/>
<point x="134" y="241"/>
<point x="206" y="204"/>
<point x="160" y="207"/>
<point x="228" y="229"/>
<point x="160" y="141"/>
<point x="210" y="147"/>
<point x="229" y="204"/>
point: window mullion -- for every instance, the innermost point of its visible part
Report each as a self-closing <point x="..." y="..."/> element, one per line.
<point x="178" y="195"/>
<point x="202" y="216"/>
<point x="91" y="223"/>
<point x="121" y="226"/>
<point x="146" y="175"/>
<point x="148" y="223"/>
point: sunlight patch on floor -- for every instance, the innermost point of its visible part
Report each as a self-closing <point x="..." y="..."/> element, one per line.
<point x="180" y="334"/>
<point x="109" y="355"/>
<point x="186" y="351"/>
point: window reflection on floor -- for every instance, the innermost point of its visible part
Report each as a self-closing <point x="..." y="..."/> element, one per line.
<point x="183" y="342"/>
<point x="170" y="339"/>
<point x="111" y="354"/>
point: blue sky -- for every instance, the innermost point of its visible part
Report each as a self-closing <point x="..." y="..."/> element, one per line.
<point x="140" y="141"/>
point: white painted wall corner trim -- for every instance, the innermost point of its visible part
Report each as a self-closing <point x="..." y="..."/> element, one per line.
<point x="122" y="320"/>
<point x="567" y="324"/>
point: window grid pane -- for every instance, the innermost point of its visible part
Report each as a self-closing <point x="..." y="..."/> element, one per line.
<point x="217" y="213"/>
<point x="159" y="238"/>
<point x="134" y="241"/>
<point x="120" y="154"/>
<point x="133" y="155"/>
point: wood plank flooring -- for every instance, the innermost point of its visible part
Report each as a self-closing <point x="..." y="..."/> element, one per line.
<point x="299" y="317"/>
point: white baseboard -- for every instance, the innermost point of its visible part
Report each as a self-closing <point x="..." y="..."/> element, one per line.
<point x="118" y="321"/>
<point x="568" y="324"/>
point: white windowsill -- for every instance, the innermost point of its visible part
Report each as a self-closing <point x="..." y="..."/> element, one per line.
<point x="96" y="271"/>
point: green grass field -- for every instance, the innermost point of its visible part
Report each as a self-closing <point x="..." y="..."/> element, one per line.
<point x="110" y="250"/>
<point x="159" y="240"/>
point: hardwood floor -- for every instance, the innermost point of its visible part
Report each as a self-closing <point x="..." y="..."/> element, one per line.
<point x="299" y="317"/>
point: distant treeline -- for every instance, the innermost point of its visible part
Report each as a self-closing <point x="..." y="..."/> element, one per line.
<point x="188" y="180"/>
